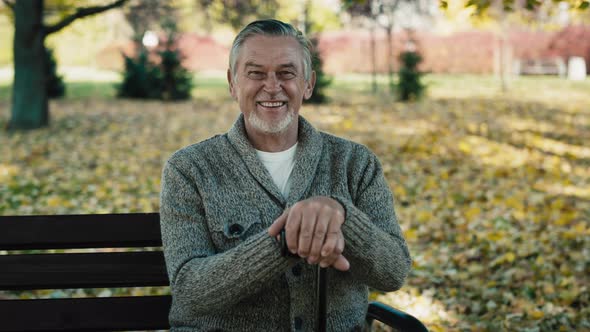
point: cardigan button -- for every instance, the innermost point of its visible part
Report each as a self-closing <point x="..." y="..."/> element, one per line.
<point x="298" y="322"/>
<point x="236" y="229"/>
<point x="296" y="270"/>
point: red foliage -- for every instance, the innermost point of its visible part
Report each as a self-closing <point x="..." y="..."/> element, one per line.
<point x="199" y="52"/>
<point x="350" y="51"/>
<point x="572" y="41"/>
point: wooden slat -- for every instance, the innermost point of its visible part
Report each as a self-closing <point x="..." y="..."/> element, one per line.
<point x="80" y="231"/>
<point x="86" y="314"/>
<point x="89" y="270"/>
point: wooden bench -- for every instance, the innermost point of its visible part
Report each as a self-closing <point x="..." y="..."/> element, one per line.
<point x="24" y="267"/>
<point x="550" y="66"/>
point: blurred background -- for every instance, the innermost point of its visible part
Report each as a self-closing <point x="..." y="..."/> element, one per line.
<point x="478" y="110"/>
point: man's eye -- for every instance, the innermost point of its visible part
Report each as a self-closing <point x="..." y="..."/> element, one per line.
<point x="287" y="74"/>
<point x="255" y="74"/>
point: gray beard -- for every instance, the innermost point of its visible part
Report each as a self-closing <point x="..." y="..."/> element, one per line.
<point x="270" y="128"/>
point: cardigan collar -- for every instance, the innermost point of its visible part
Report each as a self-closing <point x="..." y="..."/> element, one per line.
<point x="309" y="150"/>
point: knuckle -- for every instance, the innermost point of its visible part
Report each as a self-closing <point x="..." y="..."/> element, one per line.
<point x="318" y="235"/>
<point x="305" y="235"/>
<point x="320" y="228"/>
<point x="315" y="205"/>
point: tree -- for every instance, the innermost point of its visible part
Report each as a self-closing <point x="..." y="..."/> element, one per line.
<point x="238" y="13"/>
<point x="410" y="87"/>
<point x="30" y="109"/>
<point x="53" y="81"/>
<point x="322" y="80"/>
<point x="317" y="64"/>
<point x="389" y="12"/>
<point x="386" y="14"/>
<point x="499" y="11"/>
<point x="164" y="79"/>
<point x="366" y="10"/>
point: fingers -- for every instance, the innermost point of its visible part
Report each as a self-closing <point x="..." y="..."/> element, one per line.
<point x="292" y="229"/>
<point x="319" y="235"/>
<point x="278" y="224"/>
<point x="307" y="232"/>
<point x="332" y="237"/>
<point x="335" y="254"/>
<point x="313" y="231"/>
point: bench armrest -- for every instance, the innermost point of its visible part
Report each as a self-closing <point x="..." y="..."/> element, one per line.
<point x="394" y="318"/>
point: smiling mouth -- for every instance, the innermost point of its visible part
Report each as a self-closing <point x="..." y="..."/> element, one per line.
<point x="272" y="104"/>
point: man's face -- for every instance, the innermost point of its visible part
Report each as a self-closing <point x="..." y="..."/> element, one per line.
<point x="269" y="83"/>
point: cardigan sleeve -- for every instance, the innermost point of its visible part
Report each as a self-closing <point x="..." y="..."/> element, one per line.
<point x="203" y="281"/>
<point x="374" y="243"/>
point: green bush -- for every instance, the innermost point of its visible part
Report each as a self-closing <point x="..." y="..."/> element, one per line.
<point x="410" y="87"/>
<point x="53" y="82"/>
<point x="322" y="80"/>
<point x="165" y="80"/>
<point x="142" y="79"/>
<point x="177" y="81"/>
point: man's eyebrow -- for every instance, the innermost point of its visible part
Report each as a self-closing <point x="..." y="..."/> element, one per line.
<point x="285" y="65"/>
<point x="252" y="64"/>
<point x="288" y="65"/>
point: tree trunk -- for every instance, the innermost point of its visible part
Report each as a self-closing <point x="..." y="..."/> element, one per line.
<point x="374" y="60"/>
<point x="29" y="96"/>
<point x="390" y="58"/>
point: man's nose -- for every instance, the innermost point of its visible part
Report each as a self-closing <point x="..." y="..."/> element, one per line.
<point x="272" y="84"/>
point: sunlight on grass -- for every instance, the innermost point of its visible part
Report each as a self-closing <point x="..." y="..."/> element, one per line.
<point x="422" y="305"/>
<point x="7" y="171"/>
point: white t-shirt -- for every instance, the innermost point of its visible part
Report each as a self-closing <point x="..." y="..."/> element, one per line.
<point x="280" y="165"/>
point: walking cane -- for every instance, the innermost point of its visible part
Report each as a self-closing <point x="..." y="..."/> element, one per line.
<point x="320" y="291"/>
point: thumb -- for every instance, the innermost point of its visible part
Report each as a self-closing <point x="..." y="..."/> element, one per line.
<point x="341" y="264"/>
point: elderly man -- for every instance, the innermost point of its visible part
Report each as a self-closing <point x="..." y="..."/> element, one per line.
<point x="225" y="200"/>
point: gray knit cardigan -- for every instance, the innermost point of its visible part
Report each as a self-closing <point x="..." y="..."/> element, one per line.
<point x="227" y="274"/>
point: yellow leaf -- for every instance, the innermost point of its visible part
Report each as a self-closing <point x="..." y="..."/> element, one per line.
<point x="54" y="201"/>
<point x="548" y="289"/>
<point x="557" y="204"/>
<point x="465" y="147"/>
<point x="580" y="228"/>
<point x="510" y="257"/>
<point x="494" y="236"/>
<point x="565" y="218"/>
<point x="424" y="216"/>
<point x="400" y="191"/>
<point x="472" y="213"/>
<point x="431" y="183"/>
<point x="7" y="171"/>
<point x="536" y="314"/>
<point x="347" y="124"/>
<point x="411" y="234"/>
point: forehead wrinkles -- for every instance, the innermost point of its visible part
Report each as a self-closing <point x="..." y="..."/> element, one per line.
<point x="270" y="52"/>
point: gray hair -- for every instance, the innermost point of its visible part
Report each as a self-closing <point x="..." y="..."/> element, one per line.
<point x="270" y="27"/>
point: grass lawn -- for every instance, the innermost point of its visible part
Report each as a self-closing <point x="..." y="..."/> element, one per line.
<point x="491" y="189"/>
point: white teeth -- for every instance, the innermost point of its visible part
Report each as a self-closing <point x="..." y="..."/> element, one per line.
<point x="272" y="104"/>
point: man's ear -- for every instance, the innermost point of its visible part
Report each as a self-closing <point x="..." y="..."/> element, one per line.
<point x="230" y="81"/>
<point x="309" y="85"/>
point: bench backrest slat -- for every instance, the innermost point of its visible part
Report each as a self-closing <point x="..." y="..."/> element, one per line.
<point x="86" y="314"/>
<point x="82" y="270"/>
<point x="139" y="266"/>
<point x="80" y="231"/>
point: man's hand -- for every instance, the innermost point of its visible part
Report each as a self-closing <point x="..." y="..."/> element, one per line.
<point x="313" y="230"/>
